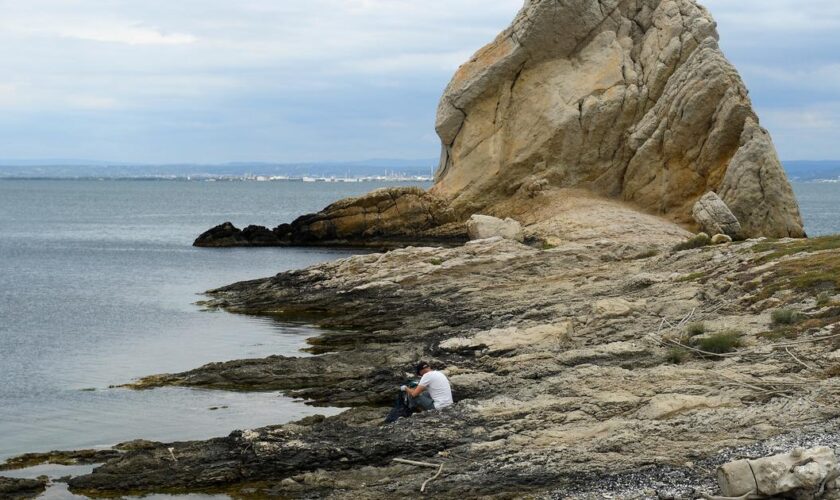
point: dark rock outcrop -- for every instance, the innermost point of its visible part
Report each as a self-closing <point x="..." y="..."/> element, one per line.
<point x="389" y="217"/>
<point x="21" y="489"/>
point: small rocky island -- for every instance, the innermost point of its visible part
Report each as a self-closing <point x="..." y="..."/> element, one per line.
<point x="597" y="346"/>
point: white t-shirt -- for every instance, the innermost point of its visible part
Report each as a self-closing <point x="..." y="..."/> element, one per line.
<point x="439" y="389"/>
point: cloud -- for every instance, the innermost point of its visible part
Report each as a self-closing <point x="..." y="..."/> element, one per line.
<point x="802" y="119"/>
<point x="275" y="80"/>
<point x="129" y="35"/>
<point x="777" y="16"/>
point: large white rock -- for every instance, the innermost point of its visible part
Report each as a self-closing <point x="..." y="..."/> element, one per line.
<point x="481" y="227"/>
<point x="714" y="217"/>
<point x="798" y="471"/>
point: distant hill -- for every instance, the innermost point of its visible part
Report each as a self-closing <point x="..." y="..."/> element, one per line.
<point x="812" y="170"/>
<point x="69" y="169"/>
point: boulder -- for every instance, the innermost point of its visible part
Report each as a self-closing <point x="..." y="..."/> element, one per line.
<point x="800" y="471"/>
<point x="228" y="235"/>
<point x="721" y="239"/>
<point x="714" y="217"/>
<point x="481" y="227"/>
<point x="223" y="235"/>
<point x="631" y="100"/>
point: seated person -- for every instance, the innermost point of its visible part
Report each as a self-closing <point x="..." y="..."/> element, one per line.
<point x="433" y="392"/>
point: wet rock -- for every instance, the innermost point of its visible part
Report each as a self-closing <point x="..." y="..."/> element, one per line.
<point x="75" y="457"/>
<point x="21" y="489"/>
<point x="228" y="235"/>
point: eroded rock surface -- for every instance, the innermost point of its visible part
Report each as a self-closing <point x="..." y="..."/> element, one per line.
<point x="565" y="363"/>
<point x="632" y="100"/>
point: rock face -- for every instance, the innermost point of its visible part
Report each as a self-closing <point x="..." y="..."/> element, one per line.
<point x="480" y="227"/>
<point x="714" y="217"/>
<point x="633" y="100"/>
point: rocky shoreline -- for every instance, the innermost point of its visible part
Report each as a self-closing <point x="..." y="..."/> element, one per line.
<point x="602" y="350"/>
<point x="566" y="364"/>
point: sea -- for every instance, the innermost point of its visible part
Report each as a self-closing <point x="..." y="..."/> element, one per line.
<point x="98" y="285"/>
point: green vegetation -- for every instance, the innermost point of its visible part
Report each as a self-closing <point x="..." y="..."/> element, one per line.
<point x="810" y="273"/>
<point x="699" y="240"/>
<point x="677" y="355"/>
<point x="646" y="254"/>
<point x="692" y="277"/>
<point x="785" y="317"/>
<point x="436" y="261"/>
<point x="824" y="299"/>
<point x="719" y="343"/>
<point x="781" y="249"/>
<point x="695" y="329"/>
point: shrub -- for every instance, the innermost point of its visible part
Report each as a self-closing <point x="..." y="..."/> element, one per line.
<point x="719" y="343"/>
<point x="785" y="317"/>
<point x="676" y="355"/>
<point x="824" y="299"/>
<point x="695" y="329"/>
<point x="697" y="241"/>
<point x="436" y="261"/>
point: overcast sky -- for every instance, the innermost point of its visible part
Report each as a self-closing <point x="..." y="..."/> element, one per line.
<point x="166" y="81"/>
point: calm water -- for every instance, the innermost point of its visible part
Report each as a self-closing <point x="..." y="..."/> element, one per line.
<point x="97" y="285"/>
<point x="820" y="205"/>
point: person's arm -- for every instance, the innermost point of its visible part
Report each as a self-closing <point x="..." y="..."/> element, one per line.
<point x="416" y="391"/>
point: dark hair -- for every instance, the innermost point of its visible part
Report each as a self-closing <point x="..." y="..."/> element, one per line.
<point x="420" y="367"/>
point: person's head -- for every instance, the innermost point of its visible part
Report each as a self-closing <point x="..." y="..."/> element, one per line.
<point x="422" y="368"/>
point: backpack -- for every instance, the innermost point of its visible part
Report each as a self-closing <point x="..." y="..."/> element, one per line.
<point x="403" y="406"/>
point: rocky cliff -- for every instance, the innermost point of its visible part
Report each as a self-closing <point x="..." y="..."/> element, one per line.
<point x="630" y="100"/>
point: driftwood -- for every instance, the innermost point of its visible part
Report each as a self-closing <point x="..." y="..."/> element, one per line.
<point x="439" y="468"/>
<point x="748" y="496"/>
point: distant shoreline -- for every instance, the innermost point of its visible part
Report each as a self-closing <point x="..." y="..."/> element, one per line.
<point x="324" y="180"/>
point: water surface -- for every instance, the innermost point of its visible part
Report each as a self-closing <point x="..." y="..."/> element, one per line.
<point x="98" y="281"/>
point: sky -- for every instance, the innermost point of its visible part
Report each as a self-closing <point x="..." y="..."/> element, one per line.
<point x="213" y="81"/>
